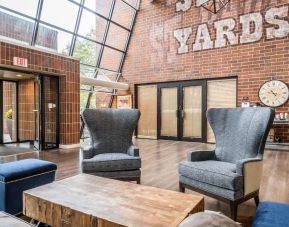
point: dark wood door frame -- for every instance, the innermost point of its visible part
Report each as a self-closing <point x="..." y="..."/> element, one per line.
<point x="159" y="94"/>
<point x="179" y="111"/>
<point x="203" y="84"/>
<point x="42" y="104"/>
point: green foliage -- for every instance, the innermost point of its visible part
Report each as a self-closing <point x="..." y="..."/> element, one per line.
<point x="85" y="50"/>
<point x="9" y="114"/>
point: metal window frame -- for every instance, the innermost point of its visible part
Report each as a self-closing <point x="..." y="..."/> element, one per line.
<point x="38" y="22"/>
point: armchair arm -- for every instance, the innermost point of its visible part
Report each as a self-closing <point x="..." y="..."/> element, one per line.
<point x="251" y="169"/>
<point x="133" y="151"/>
<point x="195" y="156"/>
<point x="87" y="152"/>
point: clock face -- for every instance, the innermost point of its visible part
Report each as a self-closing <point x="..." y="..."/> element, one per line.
<point x="274" y="93"/>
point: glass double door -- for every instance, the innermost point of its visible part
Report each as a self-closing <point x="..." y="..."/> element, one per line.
<point x="30" y="111"/>
<point x="181" y="111"/>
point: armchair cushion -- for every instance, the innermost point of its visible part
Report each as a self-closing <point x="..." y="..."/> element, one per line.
<point x="111" y="162"/>
<point x="220" y="174"/>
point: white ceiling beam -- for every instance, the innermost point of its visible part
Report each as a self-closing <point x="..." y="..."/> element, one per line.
<point x="103" y="83"/>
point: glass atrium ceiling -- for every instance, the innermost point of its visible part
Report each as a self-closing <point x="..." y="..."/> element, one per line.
<point x="96" y="31"/>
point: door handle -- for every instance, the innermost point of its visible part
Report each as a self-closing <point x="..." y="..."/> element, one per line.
<point x="182" y="113"/>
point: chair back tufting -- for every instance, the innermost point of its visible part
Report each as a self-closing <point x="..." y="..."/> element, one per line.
<point x="111" y="130"/>
<point x="240" y="132"/>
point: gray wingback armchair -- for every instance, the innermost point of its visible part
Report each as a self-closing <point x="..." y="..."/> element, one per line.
<point x="111" y="153"/>
<point x="232" y="171"/>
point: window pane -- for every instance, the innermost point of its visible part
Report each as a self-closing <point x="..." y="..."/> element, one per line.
<point x="87" y="71"/>
<point x="122" y="14"/>
<point x="110" y="59"/>
<point x="220" y="94"/>
<point x="60" y="13"/>
<point x="16" y="27"/>
<point x="106" y="75"/>
<point x="83" y="99"/>
<point x="147" y="104"/>
<point x="100" y="6"/>
<point x="53" y="39"/>
<point x="120" y="33"/>
<point x="86" y="51"/>
<point x="27" y="7"/>
<point x="132" y="2"/>
<point x="92" y="26"/>
<point x="102" y="100"/>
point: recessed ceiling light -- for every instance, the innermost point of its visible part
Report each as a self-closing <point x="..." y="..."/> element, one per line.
<point x="19" y="75"/>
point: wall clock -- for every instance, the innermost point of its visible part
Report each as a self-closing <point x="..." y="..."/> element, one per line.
<point x="274" y="93"/>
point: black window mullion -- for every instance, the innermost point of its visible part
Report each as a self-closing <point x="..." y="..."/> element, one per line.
<point x="99" y="60"/>
<point x="36" y="24"/>
<point x="76" y="27"/>
<point x="123" y="55"/>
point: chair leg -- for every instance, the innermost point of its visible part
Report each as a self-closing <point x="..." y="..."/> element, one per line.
<point x="181" y="187"/>
<point x="138" y="181"/>
<point x="257" y="200"/>
<point x="234" y="210"/>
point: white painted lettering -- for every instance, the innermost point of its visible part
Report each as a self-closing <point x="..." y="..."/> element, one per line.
<point x="182" y="35"/>
<point x="273" y="16"/>
<point x="183" y="5"/>
<point x="249" y="36"/>
<point x="225" y="28"/>
<point x="203" y="39"/>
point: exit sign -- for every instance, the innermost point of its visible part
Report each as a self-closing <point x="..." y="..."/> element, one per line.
<point x="20" y="62"/>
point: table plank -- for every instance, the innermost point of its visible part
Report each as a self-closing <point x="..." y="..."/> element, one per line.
<point x="86" y="200"/>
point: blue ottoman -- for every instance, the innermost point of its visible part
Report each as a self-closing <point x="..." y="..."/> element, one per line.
<point x="16" y="177"/>
<point x="271" y="214"/>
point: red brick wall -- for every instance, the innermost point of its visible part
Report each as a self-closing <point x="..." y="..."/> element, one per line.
<point x="26" y="106"/>
<point x="68" y="69"/>
<point x="152" y="54"/>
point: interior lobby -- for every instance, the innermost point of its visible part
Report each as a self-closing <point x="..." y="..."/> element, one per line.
<point x="144" y="113"/>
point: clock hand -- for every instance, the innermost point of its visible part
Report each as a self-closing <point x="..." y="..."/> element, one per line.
<point x="273" y="93"/>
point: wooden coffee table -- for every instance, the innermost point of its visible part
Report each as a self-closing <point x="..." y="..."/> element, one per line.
<point x="86" y="200"/>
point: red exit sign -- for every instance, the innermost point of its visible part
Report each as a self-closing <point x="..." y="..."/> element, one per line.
<point x="20" y="62"/>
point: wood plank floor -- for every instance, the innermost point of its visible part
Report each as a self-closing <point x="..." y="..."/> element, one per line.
<point x="160" y="160"/>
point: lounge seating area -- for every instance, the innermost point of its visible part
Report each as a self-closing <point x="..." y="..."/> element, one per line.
<point x="144" y="113"/>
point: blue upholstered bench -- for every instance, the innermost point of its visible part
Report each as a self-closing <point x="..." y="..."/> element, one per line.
<point x="272" y="214"/>
<point x="18" y="176"/>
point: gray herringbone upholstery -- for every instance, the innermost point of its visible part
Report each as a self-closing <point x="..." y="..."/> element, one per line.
<point x="112" y="153"/>
<point x="241" y="135"/>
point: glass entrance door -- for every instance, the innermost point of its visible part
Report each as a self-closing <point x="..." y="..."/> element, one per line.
<point x="193" y="120"/>
<point x="181" y="111"/>
<point x="50" y="112"/>
<point x="168" y="111"/>
<point x="9" y="112"/>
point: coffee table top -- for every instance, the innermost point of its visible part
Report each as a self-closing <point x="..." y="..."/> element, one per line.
<point x="119" y="202"/>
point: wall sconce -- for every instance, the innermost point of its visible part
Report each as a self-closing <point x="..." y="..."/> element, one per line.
<point x="213" y="6"/>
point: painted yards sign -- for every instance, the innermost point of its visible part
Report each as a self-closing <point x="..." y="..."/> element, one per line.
<point x="226" y="33"/>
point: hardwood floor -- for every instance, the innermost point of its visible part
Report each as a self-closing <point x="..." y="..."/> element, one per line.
<point x="160" y="160"/>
